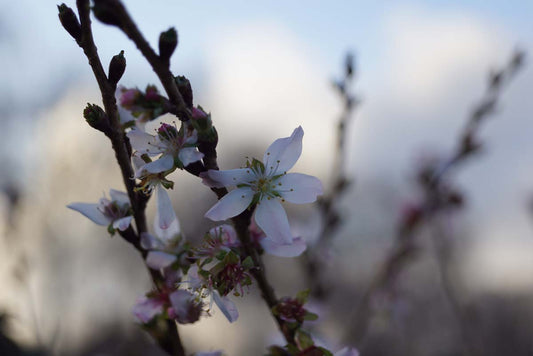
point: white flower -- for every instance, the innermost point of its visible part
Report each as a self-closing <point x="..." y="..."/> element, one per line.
<point x="266" y="183"/>
<point x="115" y="213"/>
<point x="177" y="148"/>
<point x="165" y="244"/>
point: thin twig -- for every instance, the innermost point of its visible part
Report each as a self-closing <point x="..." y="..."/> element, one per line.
<point x="435" y="197"/>
<point x="328" y="203"/>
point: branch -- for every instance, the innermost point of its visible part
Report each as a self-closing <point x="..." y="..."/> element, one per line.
<point x="330" y="215"/>
<point x="169" y="339"/>
<point x="121" y="18"/>
<point x="435" y="197"/>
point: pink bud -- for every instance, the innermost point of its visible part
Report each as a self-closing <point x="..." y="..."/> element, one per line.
<point x="128" y="97"/>
<point x="198" y="113"/>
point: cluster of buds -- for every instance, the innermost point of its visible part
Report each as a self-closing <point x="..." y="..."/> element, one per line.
<point x="144" y="106"/>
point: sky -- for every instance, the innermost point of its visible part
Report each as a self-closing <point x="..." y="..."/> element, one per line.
<point x="262" y="69"/>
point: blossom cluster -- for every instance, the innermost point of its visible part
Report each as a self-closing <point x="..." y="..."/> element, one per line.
<point x="196" y="277"/>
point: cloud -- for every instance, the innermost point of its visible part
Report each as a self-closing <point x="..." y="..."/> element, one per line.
<point x="263" y="83"/>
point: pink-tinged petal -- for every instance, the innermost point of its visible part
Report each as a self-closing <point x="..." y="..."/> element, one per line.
<point x="166" y="224"/>
<point x="147" y="308"/>
<point x="226" y="233"/>
<point x="180" y="300"/>
<point x="119" y="197"/>
<point x="149" y="242"/>
<point x="186" y="311"/>
<point x="231" y="204"/>
<point x="226" y="306"/>
<point x="189" y="155"/>
<point x="283" y="153"/>
<point x="272" y="219"/>
<point x="90" y="210"/>
<point x="143" y="142"/>
<point x="295" y="248"/>
<point x="162" y="164"/>
<point x="122" y="223"/>
<point x="299" y="188"/>
<point x="347" y="351"/>
<point x="159" y="259"/>
<point x="231" y="177"/>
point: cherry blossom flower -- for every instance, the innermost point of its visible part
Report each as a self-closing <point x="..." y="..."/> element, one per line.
<point x="114" y="213"/>
<point x="266" y="183"/>
<point x="177" y="148"/>
<point x="219" y="238"/>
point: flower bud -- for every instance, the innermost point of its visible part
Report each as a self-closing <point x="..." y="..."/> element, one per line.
<point x="69" y="21"/>
<point x="168" y="41"/>
<point x="106" y="11"/>
<point x="96" y="117"/>
<point x="185" y="89"/>
<point x="117" y="66"/>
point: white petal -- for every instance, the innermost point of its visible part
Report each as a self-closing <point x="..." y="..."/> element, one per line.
<point x="146" y="308"/>
<point x="295" y="248"/>
<point x="159" y="259"/>
<point x="192" y="138"/>
<point x="122" y="223"/>
<point x="226" y="306"/>
<point x="231" y="204"/>
<point x="193" y="278"/>
<point x="272" y="219"/>
<point x="124" y="115"/>
<point x="283" y="153"/>
<point x="299" y="188"/>
<point x="166" y="224"/>
<point x="231" y="177"/>
<point x="347" y="351"/>
<point x="143" y="142"/>
<point x="164" y="163"/>
<point x="138" y="163"/>
<point x="149" y="242"/>
<point x="119" y="197"/>
<point x="90" y="210"/>
<point x="189" y="155"/>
